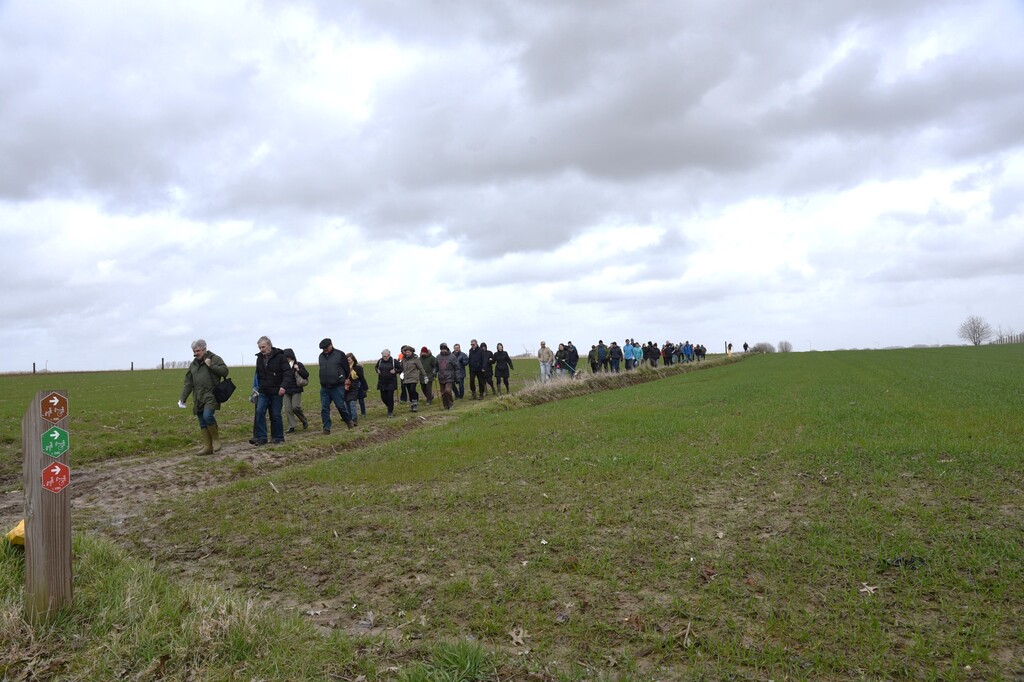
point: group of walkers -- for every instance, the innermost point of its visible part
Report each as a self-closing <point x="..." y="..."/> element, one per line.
<point x="280" y="379"/>
<point x="612" y="357"/>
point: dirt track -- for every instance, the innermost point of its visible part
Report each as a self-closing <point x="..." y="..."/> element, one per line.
<point x="105" y="495"/>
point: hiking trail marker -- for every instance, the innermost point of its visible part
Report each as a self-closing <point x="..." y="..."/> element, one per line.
<point x="55" y="442"/>
<point x="54" y="407"/>
<point x="46" y="475"/>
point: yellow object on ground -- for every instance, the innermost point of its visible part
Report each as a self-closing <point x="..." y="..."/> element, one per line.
<point x="17" y="534"/>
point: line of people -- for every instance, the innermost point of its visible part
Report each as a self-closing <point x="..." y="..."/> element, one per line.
<point x="612" y="357"/>
<point x="280" y="379"/>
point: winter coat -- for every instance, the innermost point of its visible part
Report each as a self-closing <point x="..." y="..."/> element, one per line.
<point x="200" y="380"/>
<point x="614" y="352"/>
<point x="448" y="368"/>
<point x="429" y="363"/>
<point x="289" y="383"/>
<point x="502" y="364"/>
<point x="413" y="369"/>
<point x="386" y="381"/>
<point x="270" y="370"/>
<point x="462" y="361"/>
<point x="545" y="354"/>
<point x="560" y="356"/>
<point x="333" y="368"/>
<point x="355" y="385"/>
<point x="488" y="369"/>
<point x="477" y="359"/>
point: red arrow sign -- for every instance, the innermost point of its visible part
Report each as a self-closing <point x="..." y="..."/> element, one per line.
<point x="53" y="407"/>
<point x="56" y="477"/>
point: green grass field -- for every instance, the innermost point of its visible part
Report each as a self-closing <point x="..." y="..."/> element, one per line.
<point x="843" y="515"/>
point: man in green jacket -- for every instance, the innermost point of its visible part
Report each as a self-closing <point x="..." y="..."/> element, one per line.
<point x="206" y="371"/>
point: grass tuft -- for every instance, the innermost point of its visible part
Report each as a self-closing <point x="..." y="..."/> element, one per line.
<point x="459" y="662"/>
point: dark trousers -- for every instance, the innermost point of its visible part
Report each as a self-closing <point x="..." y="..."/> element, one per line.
<point x="388" y="398"/>
<point x="410" y="390"/>
<point x="476" y="376"/>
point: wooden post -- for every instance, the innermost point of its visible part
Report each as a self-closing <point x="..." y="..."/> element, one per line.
<point x="47" y="475"/>
<point x="133" y="366"/>
<point x="33" y="368"/>
<point x="161" y="363"/>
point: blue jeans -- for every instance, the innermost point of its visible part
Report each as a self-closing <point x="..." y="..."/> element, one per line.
<point x="336" y="395"/>
<point x="274" y="403"/>
<point x="206" y="418"/>
<point x="460" y="387"/>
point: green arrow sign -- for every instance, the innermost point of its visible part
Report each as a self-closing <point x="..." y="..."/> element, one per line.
<point x="55" y="442"/>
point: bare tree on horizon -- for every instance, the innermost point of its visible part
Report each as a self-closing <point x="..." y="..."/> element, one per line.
<point x="975" y="330"/>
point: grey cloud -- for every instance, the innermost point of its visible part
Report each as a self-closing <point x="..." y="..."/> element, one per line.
<point x="949" y="259"/>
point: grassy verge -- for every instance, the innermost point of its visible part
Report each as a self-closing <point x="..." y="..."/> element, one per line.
<point x="130" y="622"/>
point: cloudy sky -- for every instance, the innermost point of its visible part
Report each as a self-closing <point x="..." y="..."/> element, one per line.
<point x="841" y="174"/>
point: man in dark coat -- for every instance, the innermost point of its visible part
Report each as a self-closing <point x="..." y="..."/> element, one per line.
<point x="572" y="356"/>
<point x="463" y="361"/>
<point x="477" y="361"/>
<point x="271" y="365"/>
<point x="334" y="370"/>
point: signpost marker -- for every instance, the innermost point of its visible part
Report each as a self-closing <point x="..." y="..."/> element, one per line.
<point x="46" y="474"/>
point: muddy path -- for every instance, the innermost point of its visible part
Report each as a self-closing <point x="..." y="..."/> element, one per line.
<point x="106" y="495"/>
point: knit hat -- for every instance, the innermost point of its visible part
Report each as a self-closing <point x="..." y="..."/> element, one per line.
<point x="325" y="343"/>
<point x="424" y="350"/>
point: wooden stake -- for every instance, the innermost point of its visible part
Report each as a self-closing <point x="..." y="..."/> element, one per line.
<point x="47" y="478"/>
